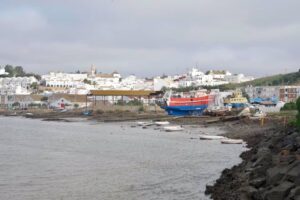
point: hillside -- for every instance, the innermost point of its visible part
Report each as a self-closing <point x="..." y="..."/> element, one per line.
<point x="275" y="80"/>
<point x="280" y="79"/>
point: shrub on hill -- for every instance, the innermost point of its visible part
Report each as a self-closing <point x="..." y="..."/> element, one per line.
<point x="289" y="106"/>
<point x="298" y="115"/>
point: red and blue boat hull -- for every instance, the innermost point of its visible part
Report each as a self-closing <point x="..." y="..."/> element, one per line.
<point x="186" y="106"/>
<point x="185" y="110"/>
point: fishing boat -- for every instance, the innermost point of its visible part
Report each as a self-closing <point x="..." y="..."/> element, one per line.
<point x="182" y="104"/>
<point x="232" y="141"/>
<point x="144" y="123"/>
<point x="211" y="137"/>
<point x="173" y="128"/>
<point x="236" y="100"/>
<point x="162" y="123"/>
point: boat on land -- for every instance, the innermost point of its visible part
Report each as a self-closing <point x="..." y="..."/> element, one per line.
<point x="185" y="103"/>
<point x="173" y="128"/>
<point x="12" y="114"/>
<point x="144" y="123"/>
<point x="232" y="141"/>
<point x="162" y="123"/>
<point x="258" y="115"/>
<point x="211" y="137"/>
<point x="87" y="113"/>
<point x="236" y="100"/>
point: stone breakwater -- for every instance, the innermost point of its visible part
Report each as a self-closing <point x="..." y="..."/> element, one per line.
<point x="269" y="171"/>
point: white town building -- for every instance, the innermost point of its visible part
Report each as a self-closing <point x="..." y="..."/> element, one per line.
<point x="238" y="78"/>
<point x="2" y="71"/>
<point x="64" y="80"/>
<point x="16" y="85"/>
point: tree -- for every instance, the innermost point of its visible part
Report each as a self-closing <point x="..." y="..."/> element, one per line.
<point x="10" y="70"/>
<point x="76" y="106"/>
<point x="86" y="81"/>
<point x="298" y="115"/>
<point x="44" y="99"/>
<point x="18" y="71"/>
<point x="289" y="106"/>
<point x="16" y="104"/>
<point x="34" y="85"/>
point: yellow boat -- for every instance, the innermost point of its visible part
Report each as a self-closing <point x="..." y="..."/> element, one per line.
<point x="237" y="100"/>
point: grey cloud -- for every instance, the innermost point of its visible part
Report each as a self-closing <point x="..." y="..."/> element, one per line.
<point x="151" y="37"/>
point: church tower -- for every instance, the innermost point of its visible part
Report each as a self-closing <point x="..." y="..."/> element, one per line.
<point x="93" y="70"/>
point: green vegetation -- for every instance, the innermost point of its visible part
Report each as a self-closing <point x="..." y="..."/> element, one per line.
<point x="35" y="105"/>
<point x="18" y="71"/>
<point x="34" y="86"/>
<point x="298" y="115"/>
<point x="280" y="79"/>
<point x="44" y="98"/>
<point x="289" y="106"/>
<point x="141" y="109"/>
<point x="134" y="102"/>
<point x="86" y="81"/>
<point x="76" y="105"/>
<point x="16" y="104"/>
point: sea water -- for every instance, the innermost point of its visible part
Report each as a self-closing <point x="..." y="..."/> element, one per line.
<point x="107" y="161"/>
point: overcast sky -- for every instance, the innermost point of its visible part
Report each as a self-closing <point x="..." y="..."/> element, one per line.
<point x="151" y="37"/>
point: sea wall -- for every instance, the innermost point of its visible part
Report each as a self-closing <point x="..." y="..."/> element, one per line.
<point x="269" y="171"/>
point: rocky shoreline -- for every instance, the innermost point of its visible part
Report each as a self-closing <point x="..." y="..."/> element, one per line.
<point x="270" y="169"/>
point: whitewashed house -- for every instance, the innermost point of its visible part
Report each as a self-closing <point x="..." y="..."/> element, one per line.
<point x="2" y="71"/>
<point x="64" y="80"/>
<point x="238" y="78"/>
<point x="16" y="85"/>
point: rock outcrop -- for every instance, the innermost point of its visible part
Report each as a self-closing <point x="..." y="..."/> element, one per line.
<point x="269" y="171"/>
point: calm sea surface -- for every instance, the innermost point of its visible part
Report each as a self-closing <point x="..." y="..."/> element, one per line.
<point x="84" y="160"/>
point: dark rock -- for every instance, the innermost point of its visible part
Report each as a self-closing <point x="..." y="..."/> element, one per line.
<point x="287" y="159"/>
<point x="275" y="174"/>
<point x="264" y="157"/>
<point x="298" y="140"/>
<point x="258" y="172"/>
<point x="279" y="192"/>
<point x="247" y="192"/>
<point x="295" y="192"/>
<point x="293" y="173"/>
<point x="258" y="182"/>
<point x="209" y="189"/>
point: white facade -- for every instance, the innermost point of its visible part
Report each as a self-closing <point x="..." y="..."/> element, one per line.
<point x="2" y="71"/>
<point x="159" y="83"/>
<point x="102" y="81"/>
<point x="238" y="78"/>
<point x="16" y="85"/>
<point x="197" y="78"/>
<point x="263" y="91"/>
<point x="64" y="80"/>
